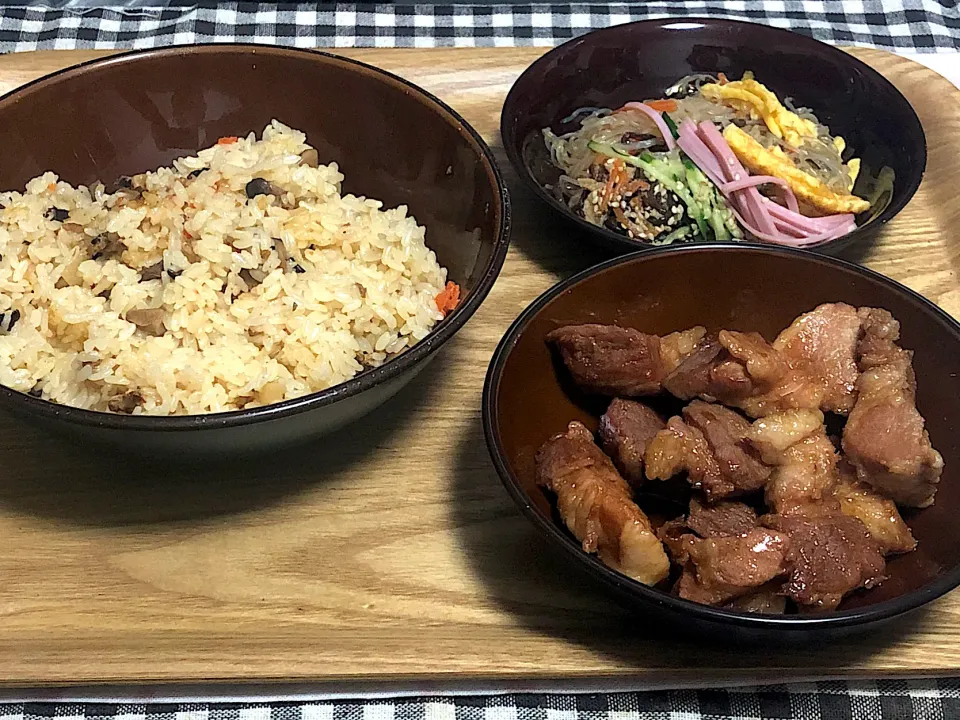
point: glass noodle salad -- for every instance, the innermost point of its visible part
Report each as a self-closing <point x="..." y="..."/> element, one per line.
<point x="713" y="160"/>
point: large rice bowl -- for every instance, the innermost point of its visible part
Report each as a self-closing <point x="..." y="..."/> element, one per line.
<point x="258" y="299"/>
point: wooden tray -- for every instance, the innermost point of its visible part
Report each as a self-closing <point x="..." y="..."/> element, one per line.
<point x="391" y="552"/>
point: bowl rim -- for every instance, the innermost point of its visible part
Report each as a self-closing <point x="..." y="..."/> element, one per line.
<point x="559" y="537"/>
<point x="510" y="141"/>
<point x="438" y="335"/>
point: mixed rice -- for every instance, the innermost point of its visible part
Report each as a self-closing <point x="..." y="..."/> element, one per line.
<point x="235" y="278"/>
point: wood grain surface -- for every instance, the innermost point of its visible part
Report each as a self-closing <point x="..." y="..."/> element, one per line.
<point x="391" y="551"/>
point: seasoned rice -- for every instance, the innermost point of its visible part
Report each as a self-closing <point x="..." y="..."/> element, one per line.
<point x="179" y="294"/>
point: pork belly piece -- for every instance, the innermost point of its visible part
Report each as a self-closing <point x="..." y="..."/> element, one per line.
<point x="709" y="445"/>
<point x="621" y="362"/>
<point x="681" y="448"/>
<point x="596" y="504"/>
<point x="726" y="517"/>
<point x="805" y="460"/>
<point x="610" y="360"/>
<point x="718" y="570"/>
<point x="884" y="436"/>
<point x="722" y="519"/>
<point x="676" y="346"/>
<point x="819" y="348"/>
<point x="878" y="514"/>
<point x="725" y="555"/>
<point x="726" y="367"/>
<point x="823" y="345"/>
<point x="773" y="435"/>
<point x="626" y="428"/>
<point x="828" y="557"/>
<point x="725" y="432"/>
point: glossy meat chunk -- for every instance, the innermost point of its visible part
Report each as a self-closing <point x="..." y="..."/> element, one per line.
<point x="877" y="513"/>
<point x="823" y="344"/>
<point x="726" y="517"/>
<point x="596" y="505"/>
<point x="805" y="475"/>
<point x="626" y="428"/>
<point x="725" y="432"/>
<point x="829" y="556"/>
<point x="772" y="435"/>
<point x="682" y="448"/>
<point x="726" y="367"/>
<point x="677" y="346"/>
<point x="708" y="444"/>
<point x="884" y="437"/>
<point x="717" y="570"/>
<point x="722" y="519"/>
<point x="610" y="360"/>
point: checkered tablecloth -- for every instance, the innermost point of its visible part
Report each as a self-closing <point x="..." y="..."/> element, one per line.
<point x="888" y="700"/>
<point x="912" y="25"/>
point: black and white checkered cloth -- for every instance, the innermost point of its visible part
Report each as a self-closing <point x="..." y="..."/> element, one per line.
<point x="886" y="700"/>
<point x="911" y="25"/>
<point x="905" y="25"/>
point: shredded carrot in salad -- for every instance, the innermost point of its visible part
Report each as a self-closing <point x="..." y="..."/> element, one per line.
<point x="448" y="298"/>
<point x="665" y="105"/>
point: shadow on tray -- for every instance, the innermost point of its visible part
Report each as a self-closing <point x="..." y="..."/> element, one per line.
<point x="543" y="235"/>
<point x="46" y="476"/>
<point x="539" y="586"/>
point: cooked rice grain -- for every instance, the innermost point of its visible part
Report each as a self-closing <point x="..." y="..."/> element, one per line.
<point x="258" y="299"/>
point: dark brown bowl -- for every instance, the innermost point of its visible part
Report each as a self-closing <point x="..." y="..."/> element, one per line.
<point x="747" y="287"/>
<point x="392" y="140"/>
<point x="637" y="61"/>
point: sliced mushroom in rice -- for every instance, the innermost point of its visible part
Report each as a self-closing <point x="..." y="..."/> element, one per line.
<point x="310" y="158"/>
<point x="260" y="186"/>
<point x="126" y="403"/>
<point x="149" y="321"/>
<point x="252" y="278"/>
<point x="8" y="321"/>
<point x="281" y="247"/>
<point x="107" y="246"/>
<point x="153" y="272"/>
<point x="125" y="186"/>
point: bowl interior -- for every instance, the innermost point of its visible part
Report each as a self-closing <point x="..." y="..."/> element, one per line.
<point x="136" y="112"/>
<point x="640" y="61"/>
<point x="742" y="289"/>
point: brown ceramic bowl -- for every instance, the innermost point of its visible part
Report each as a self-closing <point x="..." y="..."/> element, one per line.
<point x="636" y="61"/>
<point x="393" y="141"/>
<point x="527" y="399"/>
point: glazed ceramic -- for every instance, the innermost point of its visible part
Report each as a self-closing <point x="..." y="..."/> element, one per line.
<point x="527" y="398"/>
<point x="639" y="61"/>
<point x="393" y="141"/>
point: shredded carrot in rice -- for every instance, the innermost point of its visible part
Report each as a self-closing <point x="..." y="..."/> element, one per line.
<point x="51" y="187"/>
<point x="448" y="298"/>
<point x="229" y="140"/>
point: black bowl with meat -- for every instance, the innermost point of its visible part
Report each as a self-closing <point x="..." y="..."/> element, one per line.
<point x="664" y="132"/>
<point x="739" y="438"/>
